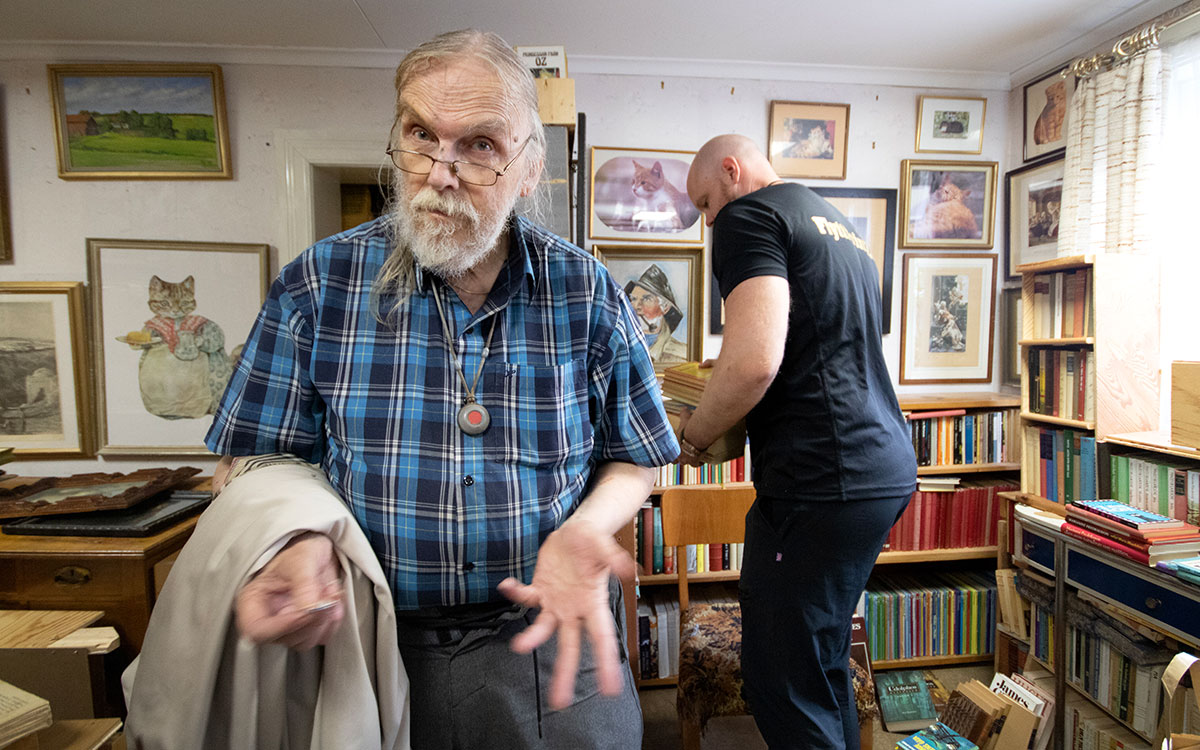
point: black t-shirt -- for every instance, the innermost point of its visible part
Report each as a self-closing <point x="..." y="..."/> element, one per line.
<point x="829" y="426"/>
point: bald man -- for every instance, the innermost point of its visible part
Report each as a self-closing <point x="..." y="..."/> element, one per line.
<point x="833" y="465"/>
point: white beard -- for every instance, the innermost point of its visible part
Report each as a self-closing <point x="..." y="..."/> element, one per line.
<point x="432" y="241"/>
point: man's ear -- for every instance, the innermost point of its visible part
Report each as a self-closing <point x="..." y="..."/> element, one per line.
<point x="731" y="169"/>
<point x="531" y="180"/>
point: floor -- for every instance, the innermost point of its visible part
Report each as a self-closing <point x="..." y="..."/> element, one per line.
<point x="661" y="725"/>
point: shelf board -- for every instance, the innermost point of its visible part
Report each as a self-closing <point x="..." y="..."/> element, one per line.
<point x="1153" y="441"/>
<point x="925" y="471"/>
<point x="930" y="661"/>
<point x="1057" y="264"/>
<point x="658" y="489"/>
<point x="659" y="579"/>
<point x="980" y="400"/>
<point x="1002" y="628"/>
<point x="1073" y="341"/>
<point x="933" y="555"/>
<point x="1036" y="501"/>
<point x="671" y="681"/>
<point x="1079" y="424"/>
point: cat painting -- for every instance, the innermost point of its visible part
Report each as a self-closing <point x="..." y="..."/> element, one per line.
<point x="946" y="214"/>
<point x="669" y="208"/>
<point x="1049" y="125"/>
<point x="183" y="369"/>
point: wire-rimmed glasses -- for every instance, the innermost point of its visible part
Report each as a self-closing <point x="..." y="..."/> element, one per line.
<point x="415" y="162"/>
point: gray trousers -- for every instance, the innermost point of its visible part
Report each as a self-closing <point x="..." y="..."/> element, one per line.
<point x="468" y="690"/>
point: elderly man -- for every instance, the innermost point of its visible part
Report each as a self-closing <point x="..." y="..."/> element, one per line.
<point x="478" y="392"/>
<point x="803" y="362"/>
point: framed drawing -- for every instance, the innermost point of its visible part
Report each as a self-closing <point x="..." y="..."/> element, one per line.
<point x="947" y="204"/>
<point x="663" y="285"/>
<point x="950" y="125"/>
<point x="1047" y="101"/>
<point x="168" y="323"/>
<point x="5" y="230"/>
<point x="1033" y="201"/>
<point x="946" y="323"/>
<point x="1010" y="352"/>
<point x="45" y="388"/>
<point x="544" y="61"/>
<point x="808" y="139"/>
<point x="872" y="214"/>
<point x="640" y="195"/>
<point x="125" y="121"/>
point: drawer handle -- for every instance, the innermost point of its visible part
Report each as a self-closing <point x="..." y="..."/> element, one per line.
<point x="1152" y="603"/>
<point x="72" y="575"/>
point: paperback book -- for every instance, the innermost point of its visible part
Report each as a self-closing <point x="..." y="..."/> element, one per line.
<point x="905" y="704"/>
<point x="1135" y="518"/>
<point x="936" y="736"/>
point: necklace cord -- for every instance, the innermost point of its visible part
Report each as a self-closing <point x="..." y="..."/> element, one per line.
<point x="487" y="347"/>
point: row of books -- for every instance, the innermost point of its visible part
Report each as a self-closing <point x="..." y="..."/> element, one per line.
<point x="1088" y="727"/>
<point x="658" y="634"/>
<point x="1139" y="535"/>
<point x="1065" y="465"/>
<point x="938" y="614"/>
<point x="675" y="475"/>
<point x="953" y="518"/>
<point x="657" y="558"/>
<point x="1061" y="383"/>
<point x="1062" y="304"/>
<point x="953" y="437"/>
<point x="1167" y="488"/>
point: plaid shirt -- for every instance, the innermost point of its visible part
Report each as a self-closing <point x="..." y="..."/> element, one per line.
<point x="568" y="384"/>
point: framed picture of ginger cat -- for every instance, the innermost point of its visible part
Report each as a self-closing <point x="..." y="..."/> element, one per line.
<point x="947" y="204"/>
<point x="168" y="323"/>
<point x="1047" y="102"/>
<point x="640" y="195"/>
<point x="808" y="139"/>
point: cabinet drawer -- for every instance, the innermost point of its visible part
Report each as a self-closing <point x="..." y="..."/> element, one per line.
<point x="58" y="579"/>
<point x="1177" y="612"/>
<point x="1035" y="549"/>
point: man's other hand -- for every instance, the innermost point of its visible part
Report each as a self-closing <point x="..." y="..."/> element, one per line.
<point x="296" y="600"/>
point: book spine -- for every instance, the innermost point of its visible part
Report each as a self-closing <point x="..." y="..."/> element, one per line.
<point x="1096" y="540"/>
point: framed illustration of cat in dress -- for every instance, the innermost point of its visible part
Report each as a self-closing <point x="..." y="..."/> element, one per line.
<point x="168" y="323"/>
<point x="1047" y="102"/>
<point x="640" y="195"/>
<point x="947" y="204"/>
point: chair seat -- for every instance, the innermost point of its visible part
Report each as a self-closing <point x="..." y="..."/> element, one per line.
<point x="710" y="669"/>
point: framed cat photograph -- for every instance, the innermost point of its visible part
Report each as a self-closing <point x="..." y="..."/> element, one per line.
<point x="1047" y="102"/>
<point x="947" y="204"/>
<point x="640" y="195"/>
<point x="950" y="126"/>
<point x="808" y="139"/>
<point x="46" y="403"/>
<point x="1033" y="202"/>
<point x="872" y="215"/>
<point x="168" y="323"/>
<point x="663" y="285"/>
<point x="946" y="320"/>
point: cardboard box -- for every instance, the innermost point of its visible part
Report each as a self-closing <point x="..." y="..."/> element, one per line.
<point x="556" y="100"/>
<point x="1185" y="404"/>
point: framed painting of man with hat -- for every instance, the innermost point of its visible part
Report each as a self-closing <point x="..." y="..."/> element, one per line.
<point x="663" y="285"/>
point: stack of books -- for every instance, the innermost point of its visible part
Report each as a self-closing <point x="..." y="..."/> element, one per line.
<point x="995" y="718"/>
<point x="21" y="713"/>
<point x="1139" y="535"/>
<point x="1185" y="569"/>
<point x="683" y="385"/>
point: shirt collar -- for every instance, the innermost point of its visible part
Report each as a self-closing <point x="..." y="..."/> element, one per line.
<point x="522" y="268"/>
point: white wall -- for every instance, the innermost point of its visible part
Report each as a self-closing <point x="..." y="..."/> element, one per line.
<point x="52" y="218"/>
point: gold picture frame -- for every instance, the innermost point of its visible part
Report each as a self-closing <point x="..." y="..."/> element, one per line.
<point x="947" y="204"/>
<point x="1045" y="109"/>
<point x="950" y="124"/>
<point x="654" y="278"/>
<point x="947" y="321"/>
<point x="808" y="139"/>
<point x="140" y="121"/>
<point x="46" y="404"/>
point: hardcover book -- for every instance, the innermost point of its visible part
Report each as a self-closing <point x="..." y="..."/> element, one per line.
<point x="1135" y="518"/>
<point x="905" y="704"/>
<point x="936" y="736"/>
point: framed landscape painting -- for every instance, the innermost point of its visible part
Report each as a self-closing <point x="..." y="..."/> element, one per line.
<point x="872" y="214"/>
<point x="168" y="323"/>
<point x="1033" y="200"/>
<point x="950" y="125"/>
<point x="640" y="195"/>
<point x="1046" y="101"/>
<point x="946" y="323"/>
<point x="140" y="121"/>
<point x="663" y="285"/>
<point x="808" y="139"/>
<point x="45" y="394"/>
<point x="947" y="204"/>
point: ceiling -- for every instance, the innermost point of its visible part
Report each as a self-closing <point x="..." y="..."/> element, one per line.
<point x="1013" y="39"/>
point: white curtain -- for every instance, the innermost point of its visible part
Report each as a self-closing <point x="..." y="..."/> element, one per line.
<point x="1113" y="137"/>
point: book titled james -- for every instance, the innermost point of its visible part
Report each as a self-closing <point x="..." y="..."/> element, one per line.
<point x="936" y="736"/>
<point x="905" y="704"/>
<point x="1134" y="518"/>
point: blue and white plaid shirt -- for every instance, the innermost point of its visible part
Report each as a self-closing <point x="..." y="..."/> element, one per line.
<point x="568" y="384"/>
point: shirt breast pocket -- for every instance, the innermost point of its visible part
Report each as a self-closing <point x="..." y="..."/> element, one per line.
<point x="539" y="414"/>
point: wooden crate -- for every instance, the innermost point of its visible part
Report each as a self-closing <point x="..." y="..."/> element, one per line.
<point x="556" y="101"/>
<point x="1185" y="404"/>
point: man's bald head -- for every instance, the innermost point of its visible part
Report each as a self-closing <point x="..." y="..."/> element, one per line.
<point x="726" y="168"/>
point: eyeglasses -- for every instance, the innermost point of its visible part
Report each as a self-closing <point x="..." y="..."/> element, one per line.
<point x="415" y="162"/>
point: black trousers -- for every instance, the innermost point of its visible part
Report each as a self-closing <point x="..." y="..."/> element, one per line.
<point x="804" y="567"/>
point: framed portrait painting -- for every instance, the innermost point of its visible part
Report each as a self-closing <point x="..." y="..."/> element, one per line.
<point x="640" y="195"/>
<point x="947" y="204"/>
<point x="45" y="388"/>
<point x="126" y="121"/>
<point x="947" y="318"/>
<point x="808" y="139"/>
<point x="1033" y="201"/>
<point x="1047" y="102"/>
<point x="872" y="214"/>
<point x="950" y="125"/>
<point x="663" y="285"/>
<point x="168" y="323"/>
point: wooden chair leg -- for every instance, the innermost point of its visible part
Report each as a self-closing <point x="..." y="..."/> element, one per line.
<point x="690" y="731"/>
